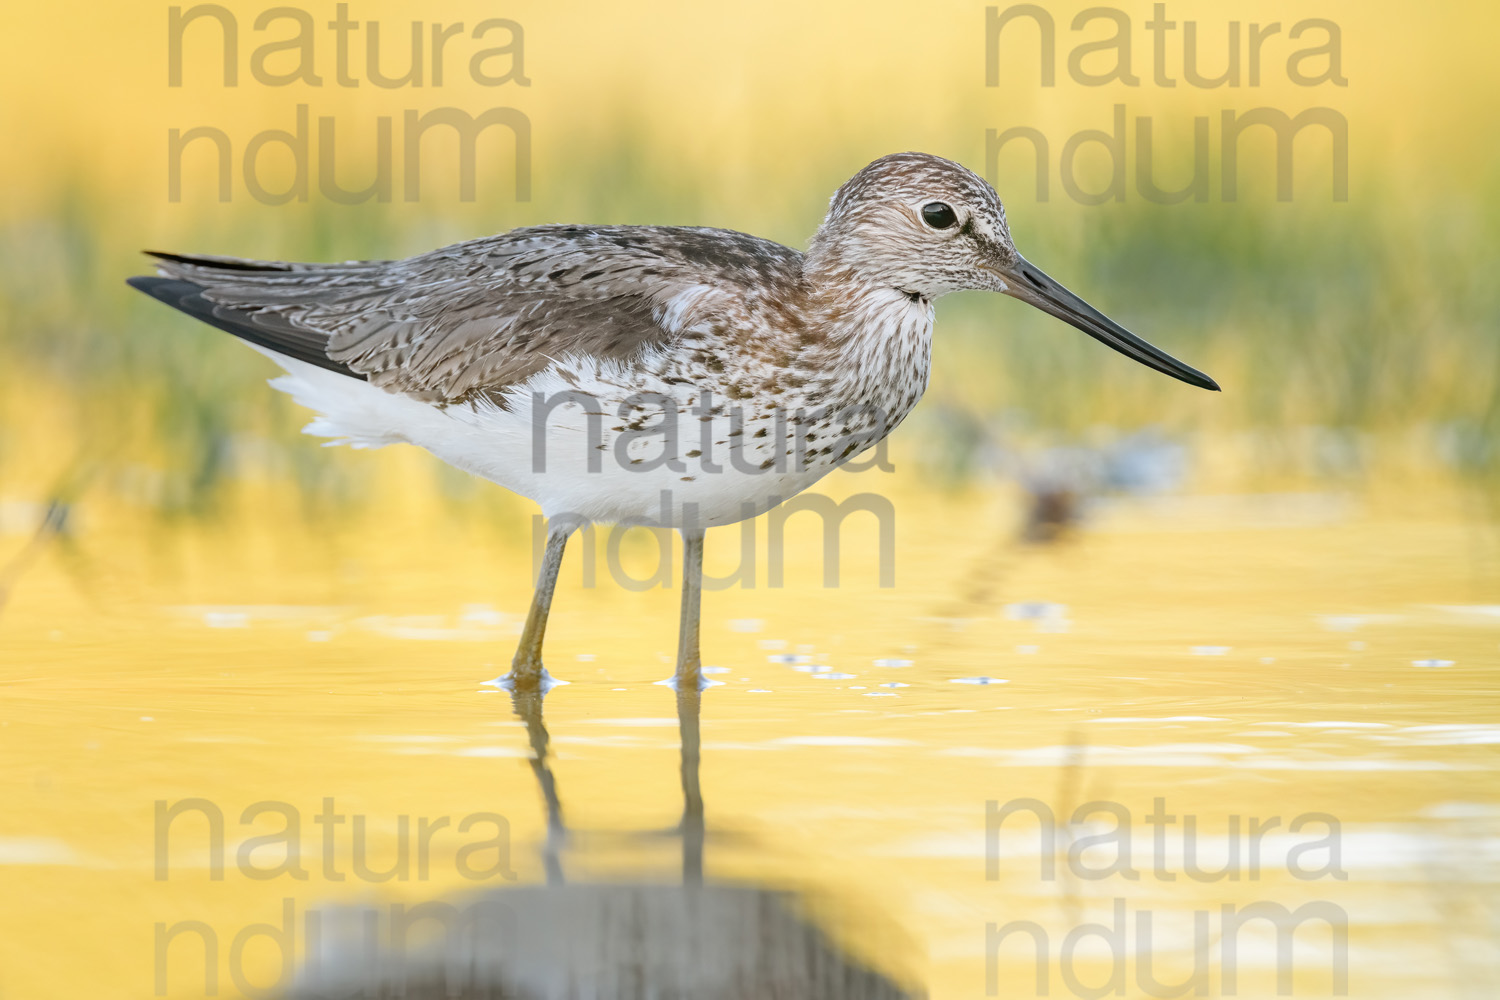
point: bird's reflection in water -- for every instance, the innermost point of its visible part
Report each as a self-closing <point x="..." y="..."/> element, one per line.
<point x="697" y="940"/>
<point x="528" y="705"/>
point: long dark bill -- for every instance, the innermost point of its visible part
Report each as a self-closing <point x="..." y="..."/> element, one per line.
<point x="1028" y="283"/>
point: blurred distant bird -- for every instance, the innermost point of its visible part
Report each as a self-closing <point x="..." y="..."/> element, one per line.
<point x="676" y="376"/>
<point x="1063" y="482"/>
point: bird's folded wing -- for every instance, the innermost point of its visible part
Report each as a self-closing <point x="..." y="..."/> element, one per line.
<point x="477" y="318"/>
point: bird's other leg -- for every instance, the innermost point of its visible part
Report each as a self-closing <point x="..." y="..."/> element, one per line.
<point x="689" y="706"/>
<point x="689" y="666"/>
<point x="689" y="684"/>
<point x="526" y="671"/>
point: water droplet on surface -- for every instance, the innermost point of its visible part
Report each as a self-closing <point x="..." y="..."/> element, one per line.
<point x="1033" y="611"/>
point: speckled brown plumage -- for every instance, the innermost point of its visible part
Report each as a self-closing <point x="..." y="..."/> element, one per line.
<point x="530" y="356"/>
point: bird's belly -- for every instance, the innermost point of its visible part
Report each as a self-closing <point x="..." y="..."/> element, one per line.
<point x="598" y="450"/>
<point x="582" y="467"/>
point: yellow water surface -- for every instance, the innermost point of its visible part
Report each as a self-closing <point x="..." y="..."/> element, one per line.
<point x="1239" y="658"/>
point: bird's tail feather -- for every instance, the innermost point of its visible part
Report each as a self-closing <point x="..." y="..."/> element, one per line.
<point x="348" y="411"/>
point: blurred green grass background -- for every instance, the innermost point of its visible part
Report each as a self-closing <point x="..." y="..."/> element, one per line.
<point x="1356" y="340"/>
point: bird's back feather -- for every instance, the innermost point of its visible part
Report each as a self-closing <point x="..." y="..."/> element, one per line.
<point x="475" y="318"/>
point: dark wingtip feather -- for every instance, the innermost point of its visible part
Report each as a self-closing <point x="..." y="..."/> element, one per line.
<point x="187" y="297"/>
<point x="218" y="263"/>
<point x="152" y="286"/>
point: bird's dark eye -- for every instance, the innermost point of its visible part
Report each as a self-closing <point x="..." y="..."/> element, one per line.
<point x="939" y="215"/>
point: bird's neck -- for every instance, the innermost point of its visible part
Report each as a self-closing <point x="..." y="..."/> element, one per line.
<point x="875" y="342"/>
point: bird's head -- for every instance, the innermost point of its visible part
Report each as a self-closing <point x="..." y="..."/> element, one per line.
<point x="927" y="226"/>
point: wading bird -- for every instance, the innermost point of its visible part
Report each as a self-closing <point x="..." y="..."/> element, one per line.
<point x="677" y="376"/>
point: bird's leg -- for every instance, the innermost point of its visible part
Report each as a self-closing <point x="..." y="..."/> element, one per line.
<point x="689" y="705"/>
<point x="689" y="684"/>
<point x="526" y="671"/>
<point x="689" y="666"/>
